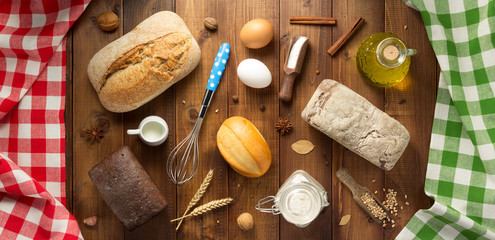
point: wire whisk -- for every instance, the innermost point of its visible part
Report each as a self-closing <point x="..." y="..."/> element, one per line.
<point x="183" y="161"/>
<point x="180" y="167"/>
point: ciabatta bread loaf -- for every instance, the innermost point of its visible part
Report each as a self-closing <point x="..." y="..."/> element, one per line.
<point x="142" y="64"/>
<point x="354" y="122"/>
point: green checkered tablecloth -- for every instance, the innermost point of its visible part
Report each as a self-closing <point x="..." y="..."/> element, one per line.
<point x="461" y="167"/>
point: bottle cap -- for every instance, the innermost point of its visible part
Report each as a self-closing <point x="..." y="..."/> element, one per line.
<point x="391" y="52"/>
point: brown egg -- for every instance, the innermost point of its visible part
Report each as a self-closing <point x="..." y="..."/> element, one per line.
<point x="257" y="33"/>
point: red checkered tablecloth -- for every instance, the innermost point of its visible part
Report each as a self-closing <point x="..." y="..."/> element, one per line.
<point x="32" y="134"/>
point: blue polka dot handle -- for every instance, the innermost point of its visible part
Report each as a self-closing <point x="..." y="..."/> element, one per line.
<point x="218" y="67"/>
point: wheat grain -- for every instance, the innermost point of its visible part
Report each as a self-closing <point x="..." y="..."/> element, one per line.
<point x="206" y="208"/>
<point x="210" y="206"/>
<point x="199" y="193"/>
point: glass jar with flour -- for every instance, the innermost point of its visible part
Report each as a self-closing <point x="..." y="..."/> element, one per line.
<point x="300" y="199"/>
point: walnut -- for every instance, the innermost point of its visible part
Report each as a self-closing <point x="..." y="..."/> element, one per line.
<point x="108" y="21"/>
<point x="210" y="23"/>
<point x="245" y="221"/>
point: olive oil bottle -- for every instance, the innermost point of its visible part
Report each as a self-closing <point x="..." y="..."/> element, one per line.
<point x="383" y="59"/>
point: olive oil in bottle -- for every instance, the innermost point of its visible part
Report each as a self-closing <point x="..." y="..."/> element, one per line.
<point x="383" y="59"/>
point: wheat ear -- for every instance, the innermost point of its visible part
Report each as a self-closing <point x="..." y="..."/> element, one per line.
<point x="206" y="208"/>
<point x="199" y="193"/>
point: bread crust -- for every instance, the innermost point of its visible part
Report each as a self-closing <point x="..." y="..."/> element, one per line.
<point x="158" y="25"/>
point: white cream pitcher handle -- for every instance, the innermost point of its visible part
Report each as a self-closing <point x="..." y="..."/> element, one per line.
<point x="133" y="131"/>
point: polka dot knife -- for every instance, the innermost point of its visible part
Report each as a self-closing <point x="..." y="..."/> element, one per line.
<point x="182" y="165"/>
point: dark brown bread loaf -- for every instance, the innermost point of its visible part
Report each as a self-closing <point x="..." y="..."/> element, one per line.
<point x="127" y="188"/>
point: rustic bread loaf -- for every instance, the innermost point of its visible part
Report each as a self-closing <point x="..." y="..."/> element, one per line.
<point x="142" y="64"/>
<point x="354" y="122"/>
<point x="126" y="187"/>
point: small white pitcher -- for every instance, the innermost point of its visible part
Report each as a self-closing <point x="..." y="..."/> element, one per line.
<point x="152" y="130"/>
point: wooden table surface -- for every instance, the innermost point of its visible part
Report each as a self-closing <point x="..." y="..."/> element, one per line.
<point x="411" y="102"/>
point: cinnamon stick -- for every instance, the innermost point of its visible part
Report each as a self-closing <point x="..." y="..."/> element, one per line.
<point x="312" y="20"/>
<point x="317" y="22"/>
<point x="297" y="18"/>
<point x="345" y="37"/>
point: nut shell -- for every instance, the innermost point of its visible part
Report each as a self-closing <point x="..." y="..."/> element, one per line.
<point x="245" y="221"/>
<point x="91" y="221"/>
<point x="108" y="21"/>
<point x="210" y="23"/>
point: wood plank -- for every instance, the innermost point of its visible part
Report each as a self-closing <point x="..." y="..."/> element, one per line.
<point x="212" y="225"/>
<point x="153" y="159"/>
<point x="247" y="191"/>
<point x="318" y="162"/>
<point x="344" y="70"/>
<point x="87" y="40"/>
<point x="68" y="123"/>
<point x="412" y="102"/>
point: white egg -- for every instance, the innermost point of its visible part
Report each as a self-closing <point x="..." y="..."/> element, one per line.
<point x="254" y="73"/>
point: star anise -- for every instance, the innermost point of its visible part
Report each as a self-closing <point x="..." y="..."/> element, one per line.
<point x="283" y="126"/>
<point x="93" y="134"/>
